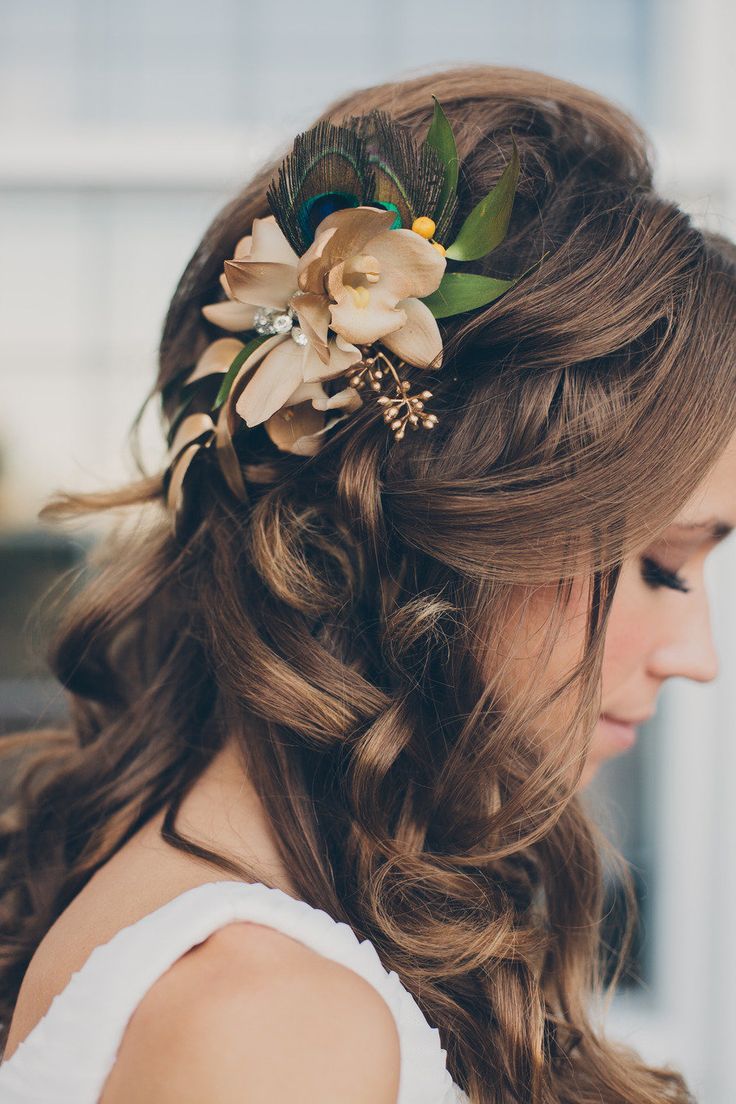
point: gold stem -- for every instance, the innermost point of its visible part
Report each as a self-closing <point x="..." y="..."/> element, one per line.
<point x="392" y="370"/>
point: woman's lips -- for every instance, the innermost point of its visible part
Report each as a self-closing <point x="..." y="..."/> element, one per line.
<point x="623" y="733"/>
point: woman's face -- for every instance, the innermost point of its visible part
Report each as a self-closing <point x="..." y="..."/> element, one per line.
<point x="659" y="625"/>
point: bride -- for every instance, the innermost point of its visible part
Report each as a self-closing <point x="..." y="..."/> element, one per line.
<point x="314" y="831"/>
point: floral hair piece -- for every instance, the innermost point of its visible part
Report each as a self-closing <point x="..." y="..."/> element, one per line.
<point x="336" y="291"/>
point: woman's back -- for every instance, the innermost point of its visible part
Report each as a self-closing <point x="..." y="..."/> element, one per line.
<point x="149" y="982"/>
<point x="189" y="992"/>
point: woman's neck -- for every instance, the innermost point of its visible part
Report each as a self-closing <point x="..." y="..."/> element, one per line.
<point x="223" y="812"/>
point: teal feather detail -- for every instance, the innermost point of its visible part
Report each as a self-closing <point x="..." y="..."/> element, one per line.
<point x="318" y="207"/>
<point x="370" y="160"/>
<point x="326" y="160"/>
<point x="396" y="224"/>
<point x="407" y="177"/>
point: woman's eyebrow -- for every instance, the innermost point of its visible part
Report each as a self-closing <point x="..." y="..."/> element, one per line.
<point x="714" y="527"/>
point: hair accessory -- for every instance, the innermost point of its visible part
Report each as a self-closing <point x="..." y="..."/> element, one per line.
<point x="337" y="290"/>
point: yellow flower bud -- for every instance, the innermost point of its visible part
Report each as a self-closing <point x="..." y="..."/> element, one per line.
<point x="440" y="248"/>
<point x="424" y="227"/>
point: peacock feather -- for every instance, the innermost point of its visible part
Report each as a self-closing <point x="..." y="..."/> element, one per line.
<point x="373" y="160"/>
<point x="407" y="178"/>
<point x="326" y="170"/>
<point x="370" y="160"/>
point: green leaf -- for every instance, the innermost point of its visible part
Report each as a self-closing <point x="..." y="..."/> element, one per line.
<point x="441" y="139"/>
<point x="235" y="367"/>
<point x="486" y="225"/>
<point x="463" y="291"/>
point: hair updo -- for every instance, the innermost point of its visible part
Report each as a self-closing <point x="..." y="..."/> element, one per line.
<point x="341" y="623"/>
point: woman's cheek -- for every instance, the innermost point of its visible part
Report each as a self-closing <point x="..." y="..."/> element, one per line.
<point x="629" y="631"/>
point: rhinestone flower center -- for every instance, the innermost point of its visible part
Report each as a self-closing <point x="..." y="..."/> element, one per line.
<point x="269" y="321"/>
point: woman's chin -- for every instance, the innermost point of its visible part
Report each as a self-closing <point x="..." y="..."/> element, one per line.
<point x="610" y="739"/>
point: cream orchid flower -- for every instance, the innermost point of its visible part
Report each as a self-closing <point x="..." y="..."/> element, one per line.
<point x="296" y="426"/>
<point x="230" y="314"/>
<point x="264" y="275"/>
<point x="357" y="283"/>
<point x="302" y="422"/>
<point x="365" y="281"/>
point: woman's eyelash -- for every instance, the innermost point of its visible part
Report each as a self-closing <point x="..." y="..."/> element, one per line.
<point x="655" y="575"/>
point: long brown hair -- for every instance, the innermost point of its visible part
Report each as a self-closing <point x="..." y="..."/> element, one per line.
<point x="344" y="624"/>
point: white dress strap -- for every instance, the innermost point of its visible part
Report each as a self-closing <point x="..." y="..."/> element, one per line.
<point x="67" y="1056"/>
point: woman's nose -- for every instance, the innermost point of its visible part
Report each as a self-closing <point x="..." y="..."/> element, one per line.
<point x="685" y="646"/>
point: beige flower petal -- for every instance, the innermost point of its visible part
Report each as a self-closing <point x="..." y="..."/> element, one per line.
<point x="310" y="445"/>
<point x="316" y="394"/>
<point x="286" y="426"/>
<point x="217" y="357"/>
<point x="335" y="284"/>
<point x="311" y="270"/>
<point x="360" y="278"/>
<point x="410" y="266"/>
<point x="343" y="355"/>
<point x="322" y="235"/>
<point x="348" y="399"/>
<point x="228" y="458"/>
<point x="174" y="493"/>
<point x="244" y="373"/>
<point x="360" y="269"/>
<point x="355" y="226"/>
<point x="243" y="248"/>
<point x="314" y="319"/>
<point x="242" y="251"/>
<point x="364" y="314"/>
<point x="419" y="341"/>
<point x="263" y="284"/>
<point x="312" y="392"/>
<point x="338" y="237"/>
<point x="269" y="243"/>
<point x="190" y="429"/>
<point x="230" y="315"/>
<point x="274" y="381"/>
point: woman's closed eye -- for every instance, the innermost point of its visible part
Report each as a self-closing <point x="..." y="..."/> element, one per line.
<point x="655" y="575"/>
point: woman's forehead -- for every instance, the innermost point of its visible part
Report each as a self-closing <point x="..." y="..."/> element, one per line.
<point x="710" y="513"/>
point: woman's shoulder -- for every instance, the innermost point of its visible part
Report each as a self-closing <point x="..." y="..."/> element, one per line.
<point x="251" y="1013"/>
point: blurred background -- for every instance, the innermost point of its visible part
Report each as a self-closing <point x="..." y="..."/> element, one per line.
<point x="123" y="130"/>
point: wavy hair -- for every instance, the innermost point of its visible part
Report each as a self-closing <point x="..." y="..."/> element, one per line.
<point x="347" y="625"/>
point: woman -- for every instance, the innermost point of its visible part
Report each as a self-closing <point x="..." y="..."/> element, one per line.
<point x="356" y="706"/>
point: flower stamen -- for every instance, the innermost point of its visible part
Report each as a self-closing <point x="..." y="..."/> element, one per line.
<point x="361" y="296"/>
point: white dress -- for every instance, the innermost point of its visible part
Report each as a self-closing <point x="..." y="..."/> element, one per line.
<point x="67" y="1056"/>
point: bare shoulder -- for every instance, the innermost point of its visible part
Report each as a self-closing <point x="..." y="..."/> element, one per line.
<point x="253" y="1015"/>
